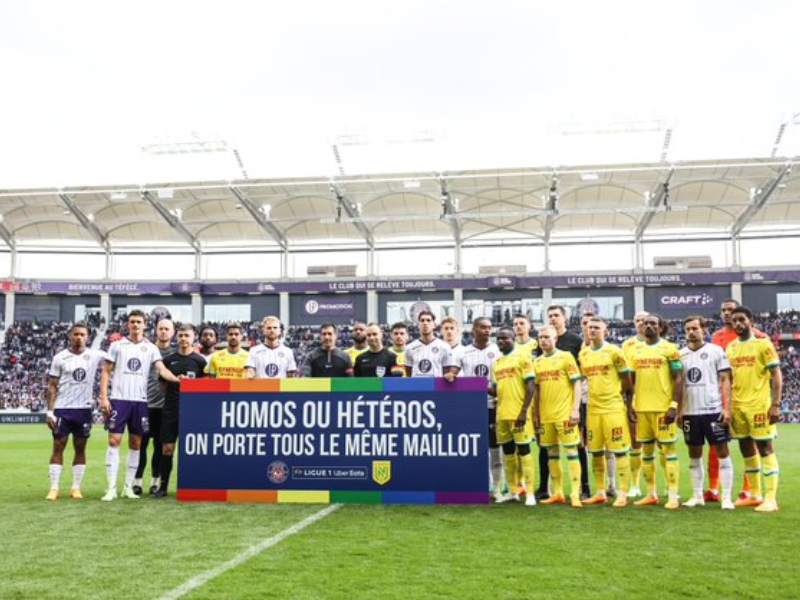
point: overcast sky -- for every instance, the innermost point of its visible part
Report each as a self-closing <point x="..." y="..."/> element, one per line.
<point x="397" y="86"/>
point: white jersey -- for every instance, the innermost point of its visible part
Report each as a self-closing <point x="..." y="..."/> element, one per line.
<point x="271" y="363"/>
<point x="702" y="368"/>
<point x="132" y="364"/>
<point x="76" y="375"/>
<point x="428" y="360"/>
<point x="477" y="362"/>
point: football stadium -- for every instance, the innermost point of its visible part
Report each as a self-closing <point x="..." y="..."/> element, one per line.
<point x="366" y="300"/>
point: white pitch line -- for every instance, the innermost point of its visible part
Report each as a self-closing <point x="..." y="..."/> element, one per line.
<point x="196" y="582"/>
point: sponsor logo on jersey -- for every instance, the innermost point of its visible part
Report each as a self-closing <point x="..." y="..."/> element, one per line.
<point x="381" y="471"/>
<point x="694" y="375"/>
<point x="481" y="370"/>
<point x="79" y="374"/>
<point x="271" y="370"/>
<point x="134" y="364"/>
<point x="425" y="366"/>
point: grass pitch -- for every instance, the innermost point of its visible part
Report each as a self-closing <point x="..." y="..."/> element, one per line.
<point x="145" y="549"/>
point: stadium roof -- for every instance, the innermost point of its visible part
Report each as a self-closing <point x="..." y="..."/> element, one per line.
<point x="709" y="199"/>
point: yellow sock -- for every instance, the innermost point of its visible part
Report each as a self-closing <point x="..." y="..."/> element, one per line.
<point x="529" y="473"/>
<point x="649" y="468"/>
<point x="752" y="467"/>
<point x="556" y="475"/>
<point x="599" y="470"/>
<point x="574" y="466"/>
<point x="670" y="455"/>
<point x="771" y="471"/>
<point x="624" y="473"/>
<point x="636" y="467"/>
<point x="511" y="472"/>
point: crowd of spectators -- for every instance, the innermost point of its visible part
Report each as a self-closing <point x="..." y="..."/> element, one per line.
<point x="30" y="345"/>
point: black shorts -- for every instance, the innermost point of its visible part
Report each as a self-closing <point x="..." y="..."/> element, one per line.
<point x="699" y="428"/>
<point x="169" y="424"/>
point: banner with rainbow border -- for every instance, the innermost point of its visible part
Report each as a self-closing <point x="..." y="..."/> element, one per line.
<point x="348" y="440"/>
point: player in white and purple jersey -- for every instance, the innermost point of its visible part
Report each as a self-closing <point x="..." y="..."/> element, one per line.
<point x="271" y="359"/>
<point x="428" y="356"/>
<point x="706" y="413"/>
<point x="70" y="387"/>
<point x="128" y="367"/>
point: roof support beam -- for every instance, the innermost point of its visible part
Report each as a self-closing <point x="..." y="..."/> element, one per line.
<point x="260" y="217"/>
<point x="450" y="210"/>
<point x="656" y="199"/>
<point x="85" y="221"/>
<point x="7" y="236"/>
<point x="352" y="214"/>
<point x="171" y="219"/>
<point x="758" y="201"/>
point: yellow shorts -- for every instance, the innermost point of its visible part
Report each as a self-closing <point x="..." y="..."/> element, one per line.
<point x="506" y="432"/>
<point x="752" y="423"/>
<point x="653" y="426"/>
<point x="608" y="431"/>
<point x="553" y="434"/>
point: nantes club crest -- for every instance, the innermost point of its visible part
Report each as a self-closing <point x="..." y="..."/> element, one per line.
<point x="381" y="471"/>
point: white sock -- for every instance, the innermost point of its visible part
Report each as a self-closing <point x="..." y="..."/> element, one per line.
<point x="133" y="464"/>
<point x="726" y="477"/>
<point x="77" y="476"/>
<point x="112" y="466"/>
<point x="496" y="467"/>
<point x="611" y="471"/>
<point x="55" y="476"/>
<point x="698" y="475"/>
<point x="155" y="482"/>
<point x="137" y="481"/>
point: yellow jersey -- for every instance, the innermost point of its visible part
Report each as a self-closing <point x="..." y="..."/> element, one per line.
<point x="401" y="358"/>
<point x="531" y="346"/>
<point x="751" y="362"/>
<point x="228" y="365"/>
<point x="355" y="353"/>
<point x="653" y="365"/>
<point x="556" y="375"/>
<point x="511" y="372"/>
<point x="631" y="346"/>
<point x="603" y="368"/>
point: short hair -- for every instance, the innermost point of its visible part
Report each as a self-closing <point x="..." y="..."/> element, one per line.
<point x="557" y="307"/>
<point x="270" y="318"/>
<point x="451" y="320"/>
<point x="507" y="330"/>
<point x="663" y="325"/>
<point x="80" y="325"/>
<point x="171" y="322"/>
<point x="399" y="325"/>
<point x="356" y="323"/>
<point x="595" y="318"/>
<point x="522" y="316"/>
<point x="374" y="325"/>
<point x="185" y="327"/>
<point x="733" y="301"/>
<point x="702" y="320"/>
<point x="477" y="321"/>
<point x="544" y="328"/>
<point x="743" y="310"/>
<point x="422" y="313"/>
<point x="233" y="325"/>
<point x="209" y="328"/>
<point x="328" y="326"/>
<point x="137" y="313"/>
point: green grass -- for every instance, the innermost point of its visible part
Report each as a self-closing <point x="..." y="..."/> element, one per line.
<point x="143" y="549"/>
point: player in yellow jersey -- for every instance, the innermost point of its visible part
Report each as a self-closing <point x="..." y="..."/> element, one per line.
<point x="514" y="384"/>
<point x="523" y="339"/>
<point x="359" y="341"/>
<point x="630" y="347"/>
<point x="230" y="362"/>
<point x="757" y="386"/>
<point x="557" y="413"/>
<point x="399" y="336"/>
<point x="657" y="398"/>
<point x="608" y="374"/>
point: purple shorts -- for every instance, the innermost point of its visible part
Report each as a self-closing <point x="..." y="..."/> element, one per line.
<point x="77" y="421"/>
<point x="126" y="412"/>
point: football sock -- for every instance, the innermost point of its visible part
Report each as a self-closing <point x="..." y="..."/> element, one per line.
<point x="624" y="472"/>
<point x="529" y="472"/>
<point x="511" y="471"/>
<point x="771" y="471"/>
<point x="649" y="468"/>
<point x="584" y="462"/>
<point x="166" y="471"/>
<point x="496" y="467"/>
<point x="697" y="476"/>
<point x="752" y="466"/>
<point x="714" y="463"/>
<point x="670" y="455"/>
<point x="77" y="476"/>
<point x="556" y="474"/>
<point x="574" y="466"/>
<point x="726" y="476"/>
<point x="611" y="467"/>
<point x="112" y="466"/>
<point x="55" y="476"/>
<point x="599" y="470"/>
<point x="133" y="464"/>
<point x="636" y="466"/>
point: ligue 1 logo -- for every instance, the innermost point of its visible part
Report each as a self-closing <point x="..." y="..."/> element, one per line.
<point x="312" y="307"/>
<point x="278" y="472"/>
